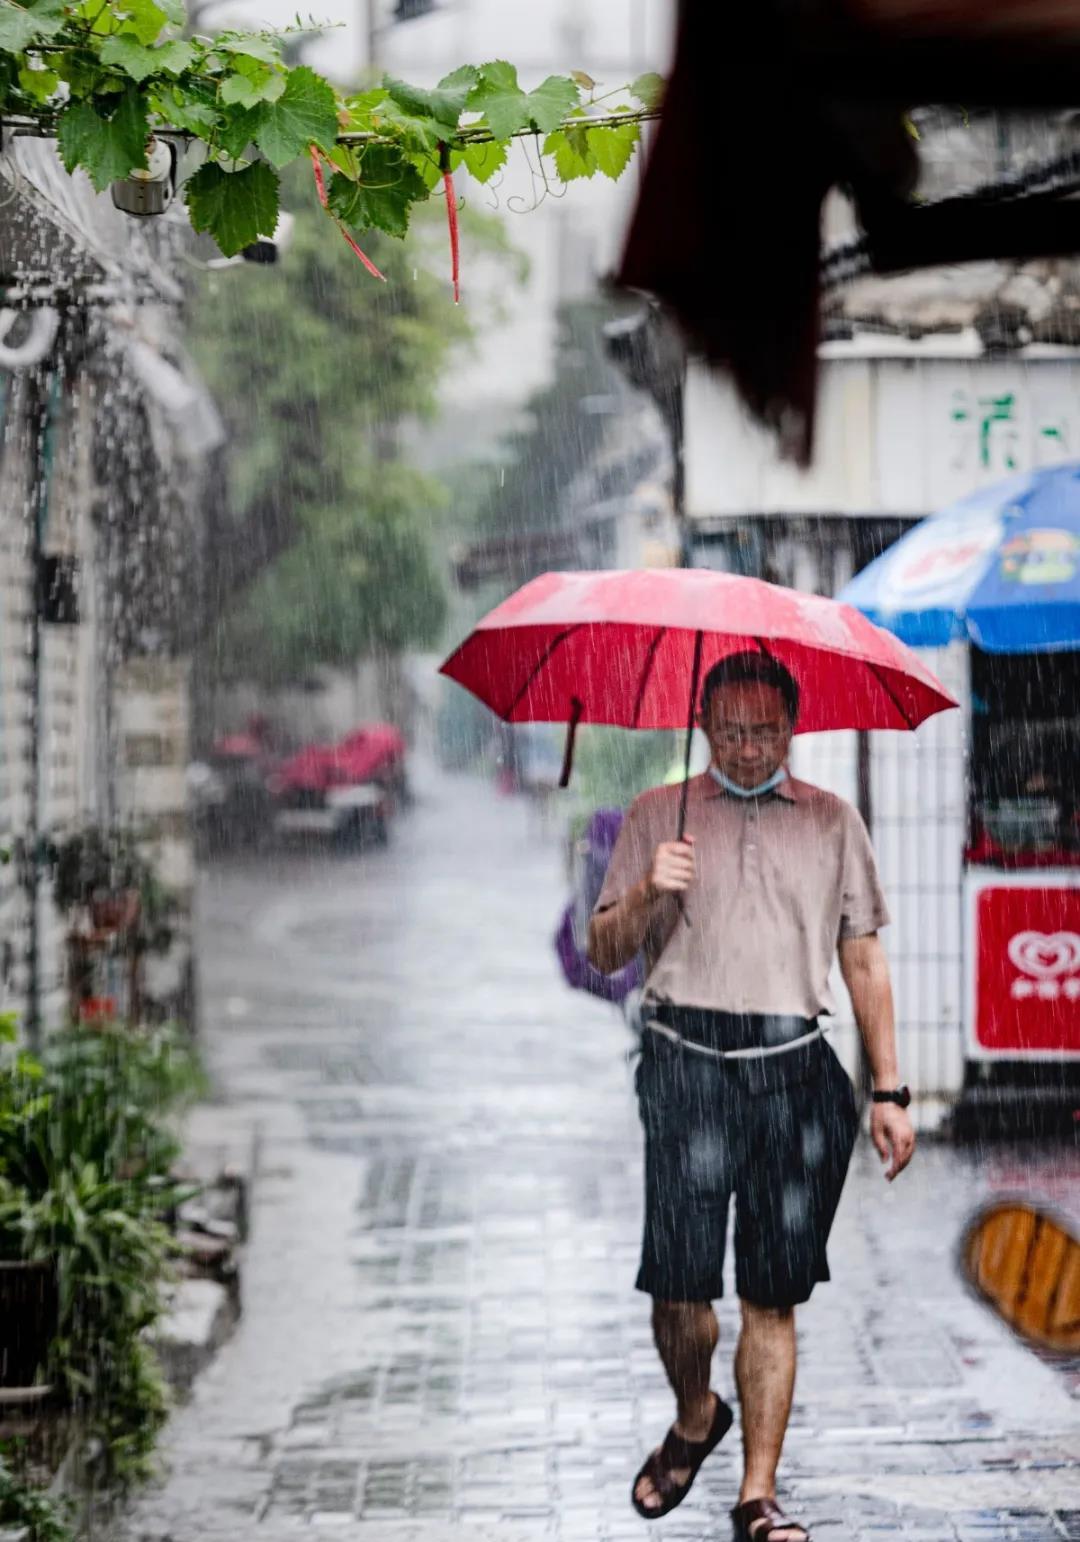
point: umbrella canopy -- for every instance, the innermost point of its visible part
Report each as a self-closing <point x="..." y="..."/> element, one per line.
<point x="1001" y="568"/>
<point x="629" y="648"/>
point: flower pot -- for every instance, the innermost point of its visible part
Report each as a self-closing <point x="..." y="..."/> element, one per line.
<point x="28" y="1311"/>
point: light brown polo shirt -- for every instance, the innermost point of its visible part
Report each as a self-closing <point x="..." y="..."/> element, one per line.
<point x="780" y="880"/>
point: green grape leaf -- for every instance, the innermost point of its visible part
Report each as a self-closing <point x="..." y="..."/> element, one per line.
<point x="648" y="89"/>
<point x="383" y="197"/>
<point x="344" y="158"/>
<point x="239" y="130"/>
<point x="139" y="61"/>
<point x="175" y="12"/>
<point x="142" y="18"/>
<point x="366" y="101"/>
<point x="179" y="111"/>
<point x="415" y="133"/>
<point x="108" y="147"/>
<point x="253" y="46"/>
<point x="573" y="157"/>
<point x="304" y="114"/>
<point x="235" y="207"/>
<point x="244" y="90"/>
<point x="129" y="55"/>
<point x="40" y="84"/>
<point x="21" y="25"/>
<point x="612" y="148"/>
<point x="177" y="56"/>
<point x="464" y="75"/>
<point x="549" y="104"/>
<point x="586" y="82"/>
<point x="427" y="169"/>
<point x="482" y="161"/>
<point x="499" y="97"/>
<point x="362" y="109"/>
<point x="444" y="105"/>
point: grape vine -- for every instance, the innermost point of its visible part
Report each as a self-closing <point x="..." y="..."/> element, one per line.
<point x="106" y="77"/>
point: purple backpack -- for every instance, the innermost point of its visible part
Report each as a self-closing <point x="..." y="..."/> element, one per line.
<point x="572" y="936"/>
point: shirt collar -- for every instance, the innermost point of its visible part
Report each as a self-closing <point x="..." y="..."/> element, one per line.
<point x="787" y="790"/>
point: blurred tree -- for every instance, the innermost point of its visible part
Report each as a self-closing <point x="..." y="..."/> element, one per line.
<point x="320" y="547"/>
<point x="564" y="426"/>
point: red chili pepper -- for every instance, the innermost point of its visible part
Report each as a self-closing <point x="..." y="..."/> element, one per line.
<point x="452" y="221"/>
<point x="320" y="187"/>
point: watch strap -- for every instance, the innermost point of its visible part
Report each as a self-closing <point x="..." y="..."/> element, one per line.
<point x="901" y="1096"/>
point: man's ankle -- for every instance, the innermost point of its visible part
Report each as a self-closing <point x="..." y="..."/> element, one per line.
<point x="757" y="1488"/>
<point x="697" y="1416"/>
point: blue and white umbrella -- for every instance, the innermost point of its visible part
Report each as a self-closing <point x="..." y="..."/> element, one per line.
<point x="1001" y="568"/>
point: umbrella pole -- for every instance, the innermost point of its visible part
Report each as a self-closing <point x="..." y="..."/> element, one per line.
<point x="695" y="682"/>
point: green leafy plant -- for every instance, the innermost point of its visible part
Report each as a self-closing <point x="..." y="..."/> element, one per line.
<point x="24" y="1506"/>
<point x="107" y="75"/>
<point x="86" y="1149"/>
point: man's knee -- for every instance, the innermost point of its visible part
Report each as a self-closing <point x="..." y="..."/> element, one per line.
<point x="678" y="1312"/>
<point x="756" y="1315"/>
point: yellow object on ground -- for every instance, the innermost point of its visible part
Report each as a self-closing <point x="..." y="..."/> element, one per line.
<point x="1025" y="1264"/>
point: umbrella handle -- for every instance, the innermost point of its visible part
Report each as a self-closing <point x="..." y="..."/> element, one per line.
<point x="691" y="714"/>
<point x="576" y="709"/>
<point x="695" y="682"/>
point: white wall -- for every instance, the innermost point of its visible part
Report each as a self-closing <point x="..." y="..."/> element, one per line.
<point x="905" y="431"/>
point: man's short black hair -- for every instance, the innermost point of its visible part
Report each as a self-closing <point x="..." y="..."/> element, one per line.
<point x="757" y="668"/>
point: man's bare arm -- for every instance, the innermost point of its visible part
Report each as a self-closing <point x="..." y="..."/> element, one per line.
<point x="866" y="974"/>
<point x="617" y="933"/>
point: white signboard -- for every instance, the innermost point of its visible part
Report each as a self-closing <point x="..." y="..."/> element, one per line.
<point x="905" y="434"/>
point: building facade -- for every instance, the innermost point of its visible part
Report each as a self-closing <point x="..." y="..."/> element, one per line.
<point x="106" y="434"/>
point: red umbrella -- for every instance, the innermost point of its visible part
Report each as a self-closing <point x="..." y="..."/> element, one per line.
<point x="626" y="647"/>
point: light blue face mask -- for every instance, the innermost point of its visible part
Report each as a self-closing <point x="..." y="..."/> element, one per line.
<point x="770" y="783"/>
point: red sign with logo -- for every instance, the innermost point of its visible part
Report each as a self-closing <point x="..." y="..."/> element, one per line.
<point x="1027" y="984"/>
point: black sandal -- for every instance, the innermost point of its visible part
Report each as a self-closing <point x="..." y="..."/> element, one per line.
<point x="766" y="1510"/>
<point x="677" y="1452"/>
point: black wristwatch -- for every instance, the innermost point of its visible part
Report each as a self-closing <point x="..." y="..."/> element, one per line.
<point x="901" y="1097"/>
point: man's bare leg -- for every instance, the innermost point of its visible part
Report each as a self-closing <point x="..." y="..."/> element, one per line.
<point x="686" y="1334"/>
<point x="765" y="1374"/>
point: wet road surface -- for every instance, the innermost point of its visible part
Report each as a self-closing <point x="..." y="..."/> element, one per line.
<point x="440" y="1338"/>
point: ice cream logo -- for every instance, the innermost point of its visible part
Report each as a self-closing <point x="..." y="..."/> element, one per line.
<point x="1040" y="557"/>
<point x="1044" y="960"/>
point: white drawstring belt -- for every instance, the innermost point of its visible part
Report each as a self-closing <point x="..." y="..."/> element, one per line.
<point x="733" y="1054"/>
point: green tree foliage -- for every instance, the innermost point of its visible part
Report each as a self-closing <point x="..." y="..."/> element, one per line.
<point x="360" y="580"/>
<point x="326" y="538"/>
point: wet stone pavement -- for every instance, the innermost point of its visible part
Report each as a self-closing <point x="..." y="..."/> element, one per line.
<point x="441" y="1340"/>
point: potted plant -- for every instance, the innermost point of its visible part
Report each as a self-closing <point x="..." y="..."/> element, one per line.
<point x="117" y="911"/>
<point x="99" y="873"/>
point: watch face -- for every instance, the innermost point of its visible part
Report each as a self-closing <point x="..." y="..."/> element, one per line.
<point x="903" y="1096"/>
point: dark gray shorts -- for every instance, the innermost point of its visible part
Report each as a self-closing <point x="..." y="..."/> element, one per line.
<point x="777" y="1134"/>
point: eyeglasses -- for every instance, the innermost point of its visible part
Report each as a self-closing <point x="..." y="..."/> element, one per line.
<point x="732" y="735"/>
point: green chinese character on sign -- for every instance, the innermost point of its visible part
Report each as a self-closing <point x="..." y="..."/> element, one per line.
<point x="996" y="409"/>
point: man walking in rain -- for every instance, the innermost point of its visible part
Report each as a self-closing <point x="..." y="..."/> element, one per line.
<point x="740" y="1096"/>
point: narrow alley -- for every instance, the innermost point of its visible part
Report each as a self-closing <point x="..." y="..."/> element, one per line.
<point x="440" y="1337"/>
